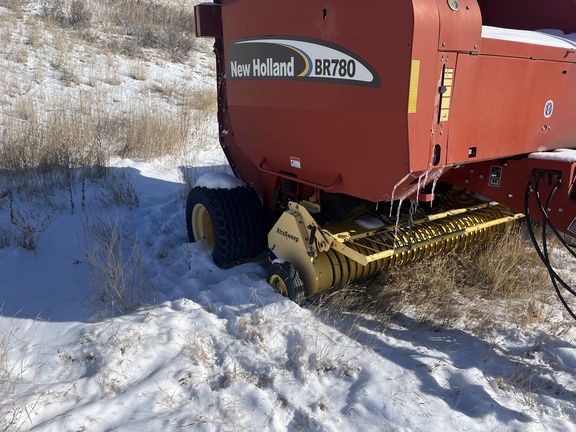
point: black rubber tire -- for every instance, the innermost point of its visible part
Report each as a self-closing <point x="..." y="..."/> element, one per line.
<point x="284" y="277"/>
<point x="237" y="223"/>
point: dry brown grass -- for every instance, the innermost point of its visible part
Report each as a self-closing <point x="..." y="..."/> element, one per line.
<point x="134" y="26"/>
<point x="35" y="38"/>
<point x="55" y="143"/>
<point x="205" y="100"/>
<point x="115" y="264"/>
<point x="24" y="108"/>
<point x="185" y="95"/>
<point x="157" y="26"/>
<point x="138" y="71"/>
<point x="76" y="14"/>
<point x="15" y="6"/>
<point x="87" y="132"/>
<point x="482" y="288"/>
<point x="152" y="132"/>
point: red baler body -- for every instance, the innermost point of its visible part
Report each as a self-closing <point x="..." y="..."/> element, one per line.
<point x="377" y="99"/>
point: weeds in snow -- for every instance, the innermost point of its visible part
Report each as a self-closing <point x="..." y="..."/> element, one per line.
<point x="29" y="226"/>
<point x="115" y="265"/>
<point x="118" y="190"/>
<point x="25" y="388"/>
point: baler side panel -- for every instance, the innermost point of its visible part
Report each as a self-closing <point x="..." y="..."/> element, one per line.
<point x="424" y="98"/>
<point x="507" y="182"/>
<point x="438" y="32"/>
<point x="499" y="107"/>
<point x="328" y="133"/>
<point x="460" y="29"/>
<point x="376" y="140"/>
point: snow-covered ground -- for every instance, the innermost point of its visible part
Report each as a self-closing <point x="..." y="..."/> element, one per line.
<point x="201" y="348"/>
<point x="214" y="349"/>
<point x="218" y="349"/>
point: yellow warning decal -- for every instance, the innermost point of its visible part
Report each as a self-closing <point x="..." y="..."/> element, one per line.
<point x="446" y="91"/>
<point x="414" y="80"/>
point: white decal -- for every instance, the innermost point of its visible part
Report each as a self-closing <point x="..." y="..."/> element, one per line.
<point x="295" y="162"/>
<point x="295" y="59"/>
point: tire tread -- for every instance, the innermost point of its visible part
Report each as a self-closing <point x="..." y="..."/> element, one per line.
<point x="237" y="223"/>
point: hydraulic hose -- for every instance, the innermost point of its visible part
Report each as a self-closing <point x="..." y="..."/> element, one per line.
<point x="533" y="186"/>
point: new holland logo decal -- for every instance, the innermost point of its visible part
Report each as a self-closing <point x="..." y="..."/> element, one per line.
<point x="297" y="59"/>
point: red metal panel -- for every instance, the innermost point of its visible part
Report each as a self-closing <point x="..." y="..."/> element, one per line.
<point x="208" y="20"/>
<point x="349" y="137"/>
<point x="426" y="72"/>
<point x="460" y="25"/>
<point x="437" y="94"/>
<point x="507" y="181"/>
<point x="498" y="107"/>
<point x="504" y="48"/>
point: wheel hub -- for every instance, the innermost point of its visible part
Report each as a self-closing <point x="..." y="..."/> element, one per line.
<point x="202" y="226"/>
<point x="277" y="283"/>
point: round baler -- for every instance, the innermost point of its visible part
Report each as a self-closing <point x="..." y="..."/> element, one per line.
<point x="371" y="134"/>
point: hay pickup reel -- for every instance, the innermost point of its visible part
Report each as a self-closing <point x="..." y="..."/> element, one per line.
<point x="374" y="134"/>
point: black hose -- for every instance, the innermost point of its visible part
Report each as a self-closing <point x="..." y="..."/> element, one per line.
<point x="543" y="252"/>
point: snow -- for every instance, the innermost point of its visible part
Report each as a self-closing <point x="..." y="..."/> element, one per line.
<point x="369" y="222"/>
<point x="547" y="37"/>
<point x="214" y="349"/>
<point x="201" y="348"/>
<point x="219" y="180"/>
<point x="560" y="155"/>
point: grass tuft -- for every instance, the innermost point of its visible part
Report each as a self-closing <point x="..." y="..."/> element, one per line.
<point x="115" y="265"/>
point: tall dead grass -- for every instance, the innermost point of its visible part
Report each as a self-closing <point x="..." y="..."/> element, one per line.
<point x="53" y="141"/>
<point x="150" y="133"/>
<point x="14" y="5"/>
<point x="154" y="25"/>
<point x="137" y="25"/>
<point x="67" y="136"/>
<point x="482" y="288"/>
<point x="115" y="265"/>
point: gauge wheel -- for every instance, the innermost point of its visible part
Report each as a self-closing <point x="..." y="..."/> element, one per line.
<point x="228" y="221"/>
<point x="285" y="278"/>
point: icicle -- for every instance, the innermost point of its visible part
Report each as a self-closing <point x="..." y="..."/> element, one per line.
<point x="434" y="173"/>
<point x="397" y="220"/>
<point x="394" y="192"/>
<point x="434" y="183"/>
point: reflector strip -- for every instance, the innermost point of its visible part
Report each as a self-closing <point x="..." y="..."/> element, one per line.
<point x="414" y="80"/>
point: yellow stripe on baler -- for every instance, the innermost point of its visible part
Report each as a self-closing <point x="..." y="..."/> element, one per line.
<point x="414" y="81"/>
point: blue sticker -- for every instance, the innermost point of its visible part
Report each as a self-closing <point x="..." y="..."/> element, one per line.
<point x="548" y="109"/>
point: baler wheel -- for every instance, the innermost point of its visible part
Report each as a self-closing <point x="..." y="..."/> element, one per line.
<point x="228" y="221"/>
<point x="285" y="278"/>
